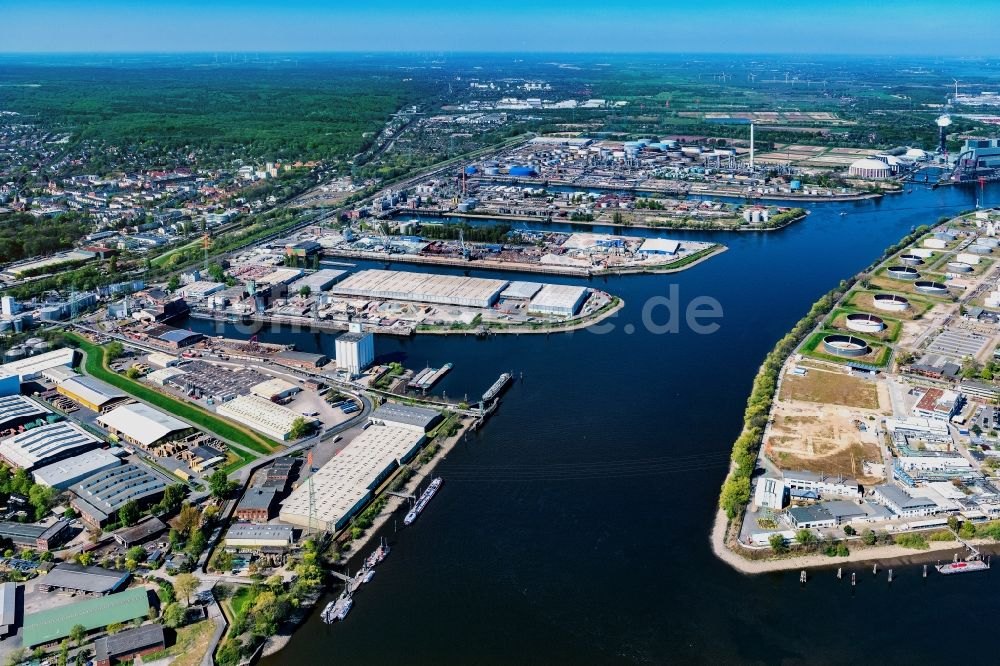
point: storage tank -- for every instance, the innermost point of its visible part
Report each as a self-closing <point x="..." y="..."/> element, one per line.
<point x="469" y="170"/>
<point x="31" y="342"/>
<point x="526" y="171"/>
<point x="492" y="171"/>
<point x="14" y="354"/>
<point x="40" y="347"/>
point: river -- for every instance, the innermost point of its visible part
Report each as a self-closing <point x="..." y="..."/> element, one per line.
<point x="574" y="528"/>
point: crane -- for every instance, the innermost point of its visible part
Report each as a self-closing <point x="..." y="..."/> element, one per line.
<point x="461" y="242"/>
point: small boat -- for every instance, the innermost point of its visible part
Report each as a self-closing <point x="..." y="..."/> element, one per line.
<point x="368" y="576"/>
<point x="843" y="213"/>
<point x="345" y="608"/>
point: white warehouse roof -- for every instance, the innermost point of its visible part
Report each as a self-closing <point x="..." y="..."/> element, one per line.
<point x="562" y="299"/>
<point x="274" y="386"/>
<point x="260" y="414"/>
<point x="421" y="287"/>
<point x="142" y="423"/>
<point x="660" y="246"/>
<point x="31" y="367"/>
<point x="161" y="360"/>
<point x="45" y="444"/>
<point x="65" y="473"/>
<point x="343" y="485"/>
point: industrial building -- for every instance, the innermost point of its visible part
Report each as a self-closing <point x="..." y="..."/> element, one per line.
<point x="53" y="624"/>
<point x="36" y="537"/>
<point x="298" y="359"/>
<point x="63" y="474"/>
<point x="660" y="246"/>
<point x="161" y="360"/>
<point x="16" y="410"/>
<point x="87" y="580"/>
<point x="10" y="383"/>
<point x="869" y="168"/>
<point x="275" y="389"/>
<point x="317" y="281"/>
<point x="163" y="375"/>
<point x="98" y="497"/>
<point x="419" y="419"/>
<point x="343" y="486"/>
<point x="558" y="299"/>
<point x="32" y="367"/>
<point x="422" y="288"/>
<point x="46" y="444"/>
<point x="138" y="423"/>
<point x="92" y="393"/>
<point x="250" y="535"/>
<point x="257" y="504"/>
<point x="200" y="289"/>
<point x="902" y="503"/>
<point x="178" y="338"/>
<point x="139" y="533"/>
<point x="8" y="608"/>
<point x="521" y="290"/>
<point x="261" y="415"/>
<point x="129" y="644"/>
<point x="355" y="351"/>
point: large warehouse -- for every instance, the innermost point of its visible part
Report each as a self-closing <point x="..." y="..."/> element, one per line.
<point x="420" y="419"/>
<point x="260" y="414"/>
<point x="36" y="537"/>
<point x="78" y="578"/>
<point x="99" y="497"/>
<point x="344" y="485"/>
<point x="46" y="444"/>
<point x="252" y="535"/>
<point x="17" y="410"/>
<point x="422" y="287"/>
<point x="92" y="393"/>
<point x="33" y="366"/>
<point x="558" y="299"/>
<point x="138" y="423"/>
<point x="65" y="473"/>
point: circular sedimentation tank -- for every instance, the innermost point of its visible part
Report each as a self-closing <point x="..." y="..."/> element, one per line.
<point x="891" y="302"/>
<point x="847" y="346"/>
<point x="865" y="323"/>
<point x="959" y="267"/>
<point x="910" y="260"/>
<point x="930" y="287"/>
<point x="902" y="272"/>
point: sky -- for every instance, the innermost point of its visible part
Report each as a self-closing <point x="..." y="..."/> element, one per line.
<point x="888" y="27"/>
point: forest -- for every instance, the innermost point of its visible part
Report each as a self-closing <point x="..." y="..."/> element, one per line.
<point x="23" y="235"/>
<point x="318" y="110"/>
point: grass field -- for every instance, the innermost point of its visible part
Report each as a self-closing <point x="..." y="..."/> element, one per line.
<point x="862" y="301"/>
<point x="830" y="388"/>
<point x="838" y="319"/>
<point x="95" y="366"/>
<point x="189" y="646"/>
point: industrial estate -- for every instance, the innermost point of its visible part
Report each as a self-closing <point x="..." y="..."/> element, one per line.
<point x="879" y="427"/>
<point x="181" y="478"/>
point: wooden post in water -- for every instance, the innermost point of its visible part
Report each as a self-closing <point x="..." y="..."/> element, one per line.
<point x="840" y="572"/>
<point x="925" y="571"/>
<point x="890" y="575"/>
<point x="875" y="569"/>
<point x="802" y="576"/>
<point x="854" y="579"/>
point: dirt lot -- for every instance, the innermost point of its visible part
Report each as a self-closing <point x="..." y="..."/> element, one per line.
<point x="822" y="437"/>
<point x="830" y="387"/>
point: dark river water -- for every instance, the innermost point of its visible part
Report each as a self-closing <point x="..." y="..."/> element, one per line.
<point x="574" y="528"/>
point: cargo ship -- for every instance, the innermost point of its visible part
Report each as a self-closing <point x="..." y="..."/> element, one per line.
<point x="497" y="387"/>
<point x="422" y="502"/>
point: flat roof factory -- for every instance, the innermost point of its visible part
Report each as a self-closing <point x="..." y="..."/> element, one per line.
<point x="38" y="537"/>
<point x="422" y="287"/>
<point x="78" y="578"/>
<point x="260" y="414"/>
<point x="320" y="280"/>
<point x="32" y="367"/>
<point x="55" y="623"/>
<point x="394" y="414"/>
<point x="252" y="534"/>
<point x="344" y="485"/>
<point x="46" y="444"/>
<point x="65" y="473"/>
<point x="558" y="299"/>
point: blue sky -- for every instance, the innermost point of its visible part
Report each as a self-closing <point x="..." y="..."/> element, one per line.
<point x="914" y="27"/>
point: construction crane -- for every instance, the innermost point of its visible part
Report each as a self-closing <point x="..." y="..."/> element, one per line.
<point x="206" y="243"/>
<point x="461" y="242"/>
